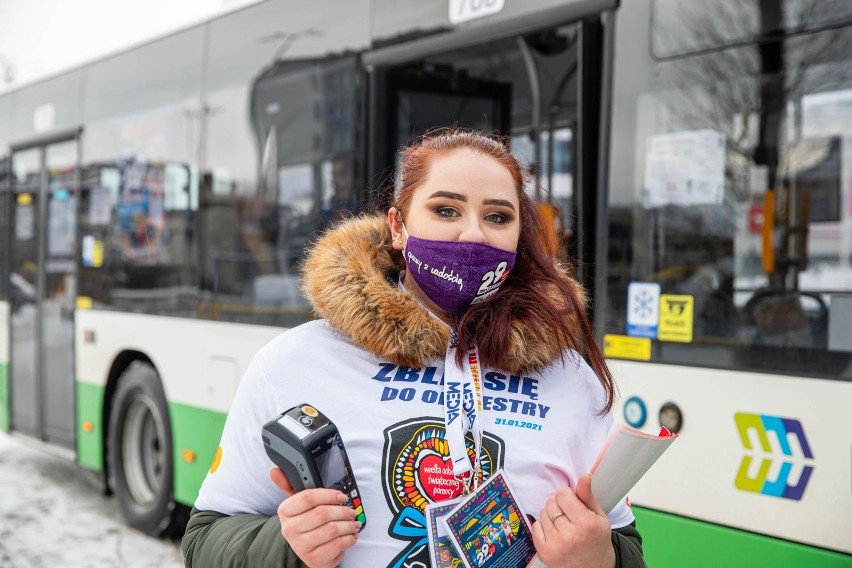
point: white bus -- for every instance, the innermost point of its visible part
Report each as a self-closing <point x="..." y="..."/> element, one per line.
<point x="155" y="204"/>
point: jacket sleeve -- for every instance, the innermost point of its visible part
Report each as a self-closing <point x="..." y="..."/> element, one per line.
<point x="214" y="540"/>
<point x="627" y="543"/>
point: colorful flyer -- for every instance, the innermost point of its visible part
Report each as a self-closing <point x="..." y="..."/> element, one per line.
<point x="442" y="551"/>
<point x="489" y="528"/>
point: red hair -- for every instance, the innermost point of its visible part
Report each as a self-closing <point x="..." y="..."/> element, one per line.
<point x="537" y="291"/>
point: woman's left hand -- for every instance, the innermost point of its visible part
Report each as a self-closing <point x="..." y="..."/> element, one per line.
<point x="573" y="530"/>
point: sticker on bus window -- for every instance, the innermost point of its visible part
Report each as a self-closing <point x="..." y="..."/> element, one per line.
<point x="643" y="309"/>
<point x="676" y="318"/>
<point x="626" y="347"/>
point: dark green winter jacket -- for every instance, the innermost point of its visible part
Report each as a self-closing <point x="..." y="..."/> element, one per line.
<point x="213" y="540"/>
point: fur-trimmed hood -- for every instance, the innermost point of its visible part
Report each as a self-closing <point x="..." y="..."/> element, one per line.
<point x="350" y="277"/>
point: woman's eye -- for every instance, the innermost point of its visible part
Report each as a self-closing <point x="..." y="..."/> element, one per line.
<point x="496" y="218"/>
<point x="447" y="212"/>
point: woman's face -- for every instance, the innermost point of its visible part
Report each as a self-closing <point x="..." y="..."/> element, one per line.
<point x="467" y="196"/>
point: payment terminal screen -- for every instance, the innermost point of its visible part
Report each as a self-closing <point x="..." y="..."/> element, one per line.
<point x="331" y="466"/>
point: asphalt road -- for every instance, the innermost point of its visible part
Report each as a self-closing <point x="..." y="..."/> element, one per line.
<point x="53" y="514"/>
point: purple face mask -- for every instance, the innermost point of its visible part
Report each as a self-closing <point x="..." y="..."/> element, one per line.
<point x="456" y="274"/>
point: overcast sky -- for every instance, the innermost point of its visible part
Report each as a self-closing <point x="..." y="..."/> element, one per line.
<point x="39" y="38"/>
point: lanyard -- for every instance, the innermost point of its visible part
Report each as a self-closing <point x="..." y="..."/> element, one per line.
<point x="462" y="408"/>
<point x="463" y="411"/>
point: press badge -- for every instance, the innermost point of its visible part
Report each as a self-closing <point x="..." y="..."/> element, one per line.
<point x="442" y="551"/>
<point x="489" y="529"/>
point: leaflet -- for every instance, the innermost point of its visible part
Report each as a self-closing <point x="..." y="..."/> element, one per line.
<point x="625" y="457"/>
<point x="442" y="551"/>
<point x="489" y="529"/>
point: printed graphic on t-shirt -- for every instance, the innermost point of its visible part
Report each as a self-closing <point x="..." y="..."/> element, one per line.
<point x="417" y="470"/>
<point x="512" y="397"/>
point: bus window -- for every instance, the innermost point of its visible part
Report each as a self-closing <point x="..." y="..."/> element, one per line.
<point x="680" y="27"/>
<point x="727" y="184"/>
<point x="296" y="175"/>
<point x="139" y="181"/>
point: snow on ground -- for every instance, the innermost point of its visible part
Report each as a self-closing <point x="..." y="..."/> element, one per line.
<point x="53" y="514"/>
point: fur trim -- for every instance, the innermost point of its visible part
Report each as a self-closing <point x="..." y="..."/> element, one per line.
<point x="350" y="278"/>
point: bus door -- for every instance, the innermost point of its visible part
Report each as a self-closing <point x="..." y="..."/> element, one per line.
<point x="42" y="289"/>
<point x="418" y="96"/>
<point x="528" y="80"/>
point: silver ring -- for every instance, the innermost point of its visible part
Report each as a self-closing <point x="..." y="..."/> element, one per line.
<point x="556" y="516"/>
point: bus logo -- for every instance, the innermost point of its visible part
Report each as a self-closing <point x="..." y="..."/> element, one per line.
<point x="782" y="428"/>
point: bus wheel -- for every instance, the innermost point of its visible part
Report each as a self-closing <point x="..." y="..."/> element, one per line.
<point x="140" y="451"/>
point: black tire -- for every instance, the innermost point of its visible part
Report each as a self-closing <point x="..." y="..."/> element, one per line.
<point x="139" y="449"/>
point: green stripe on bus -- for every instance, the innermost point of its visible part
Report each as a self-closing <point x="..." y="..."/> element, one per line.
<point x="669" y="541"/>
<point x="196" y="434"/>
<point x="4" y="397"/>
<point x="90" y="429"/>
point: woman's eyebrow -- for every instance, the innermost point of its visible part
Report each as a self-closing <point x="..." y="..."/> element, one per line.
<point x="501" y="202"/>
<point x="463" y="198"/>
<point x="449" y="195"/>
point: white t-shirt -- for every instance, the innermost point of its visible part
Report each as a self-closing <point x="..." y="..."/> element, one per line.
<point x="544" y="431"/>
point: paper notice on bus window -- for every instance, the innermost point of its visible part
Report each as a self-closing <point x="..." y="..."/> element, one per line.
<point x="61" y="224"/>
<point x="100" y="208"/>
<point x="685" y="168"/>
<point x="24" y="222"/>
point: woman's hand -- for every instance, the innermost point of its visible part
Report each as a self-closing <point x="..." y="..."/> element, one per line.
<point x="315" y="524"/>
<point x="573" y="530"/>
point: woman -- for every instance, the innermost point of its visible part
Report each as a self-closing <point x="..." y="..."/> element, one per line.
<point x="454" y="279"/>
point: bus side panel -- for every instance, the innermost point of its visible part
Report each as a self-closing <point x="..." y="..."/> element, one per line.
<point x="4" y="367"/>
<point x="762" y="453"/>
<point x="199" y="379"/>
<point x="711" y="546"/>
<point x="90" y="429"/>
<point x="199" y="429"/>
